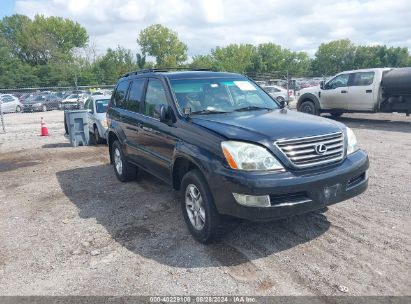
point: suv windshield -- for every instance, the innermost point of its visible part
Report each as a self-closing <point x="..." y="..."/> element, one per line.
<point x="220" y="95"/>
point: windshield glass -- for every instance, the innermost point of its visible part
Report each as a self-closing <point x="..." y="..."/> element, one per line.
<point x="101" y="105"/>
<point x="208" y="95"/>
<point x="73" y="96"/>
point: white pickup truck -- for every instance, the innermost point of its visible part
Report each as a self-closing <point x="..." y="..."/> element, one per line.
<point x="367" y="90"/>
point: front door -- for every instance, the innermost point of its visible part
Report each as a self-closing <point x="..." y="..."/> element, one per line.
<point x="335" y="93"/>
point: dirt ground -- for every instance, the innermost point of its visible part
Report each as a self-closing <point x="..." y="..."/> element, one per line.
<point x="68" y="227"/>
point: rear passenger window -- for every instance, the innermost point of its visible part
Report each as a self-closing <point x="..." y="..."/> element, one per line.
<point x="120" y="94"/>
<point x="136" y="92"/>
<point x="156" y="95"/>
<point x="363" y="79"/>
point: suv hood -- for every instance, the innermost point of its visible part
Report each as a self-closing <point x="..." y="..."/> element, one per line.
<point x="263" y="125"/>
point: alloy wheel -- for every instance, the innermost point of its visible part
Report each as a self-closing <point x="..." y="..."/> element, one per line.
<point x="117" y="161"/>
<point x="195" y="207"/>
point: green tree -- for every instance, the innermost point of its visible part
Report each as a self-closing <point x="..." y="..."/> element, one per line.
<point x="42" y="39"/>
<point x="114" y="64"/>
<point x="163" y="44"/>
<point x="273" y="58"/>
<point x="334" y="57"/>
<point x="233" y="58"/>
<point x="202" y="61"/>
<point x="14" y="72"/>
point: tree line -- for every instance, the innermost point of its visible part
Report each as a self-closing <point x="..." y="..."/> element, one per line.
<point x="53" y="51"/>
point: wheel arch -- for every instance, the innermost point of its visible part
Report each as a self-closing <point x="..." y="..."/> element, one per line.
<point x="112" y="136"/>
<point x="308" y="97"/>
<point x="181" y="165"/>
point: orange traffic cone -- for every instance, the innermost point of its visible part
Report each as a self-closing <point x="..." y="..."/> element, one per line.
<point x="44" y="130"/>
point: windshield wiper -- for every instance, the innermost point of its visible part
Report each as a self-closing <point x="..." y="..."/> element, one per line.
<point x="208" y="112"/>
<point x="250" y="108"/>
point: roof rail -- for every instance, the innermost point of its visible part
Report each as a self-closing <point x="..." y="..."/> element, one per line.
<point x="159" y="70"/>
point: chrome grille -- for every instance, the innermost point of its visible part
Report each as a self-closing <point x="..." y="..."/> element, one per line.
<point x="302" y="151"/>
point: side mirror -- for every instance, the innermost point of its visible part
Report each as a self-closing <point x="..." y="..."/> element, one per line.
<point x="322" y="84"/>
<point x="282" y="103"/>
<point x="161" y="112"/>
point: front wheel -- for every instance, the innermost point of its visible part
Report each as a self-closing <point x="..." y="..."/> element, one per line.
<point x="18" y="109"/>
<point x="97" y="137"/>
<point x="124" y="170"/>
<point x="200" y="214"/>
<point x="308" y="107"/>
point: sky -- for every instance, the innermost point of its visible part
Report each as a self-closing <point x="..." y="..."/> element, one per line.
<point x="204" y="24"/>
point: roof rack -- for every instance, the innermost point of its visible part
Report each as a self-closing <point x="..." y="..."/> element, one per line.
<point x="159" y="70"/>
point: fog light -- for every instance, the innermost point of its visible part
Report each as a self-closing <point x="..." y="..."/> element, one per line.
<point x="252" y="200"/>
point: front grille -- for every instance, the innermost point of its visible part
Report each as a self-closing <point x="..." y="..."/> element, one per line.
<point x="302" y="151"/>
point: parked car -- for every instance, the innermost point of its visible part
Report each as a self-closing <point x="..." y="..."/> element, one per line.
<point x="73" y="101"/>
<point x="230" y="148"/>
<point x="97" y="121"/>
<point x="41" y="102"/>
<point x="279" y="93"/>
<point x="10" y="103"/>
<point x="368" y="90"/>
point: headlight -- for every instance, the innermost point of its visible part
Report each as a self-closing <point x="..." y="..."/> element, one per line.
<point x="352" y="144"/>
<point x="245" y="156"/>
<point x="37" y="104"/>
<point x="104" y="122"/>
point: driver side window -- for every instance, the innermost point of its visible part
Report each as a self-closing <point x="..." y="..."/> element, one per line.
<point x="337" y="82"/>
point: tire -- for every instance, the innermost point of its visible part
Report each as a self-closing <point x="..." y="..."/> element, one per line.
<point x="97" y="139"/>
<point x="196" y="193"/>
<point x="18" y="109"/>
<point x="308" y="107"/>
<point x="125" y="171"/>
<point x="336" y="114"/>
<point x="44" y="108"/>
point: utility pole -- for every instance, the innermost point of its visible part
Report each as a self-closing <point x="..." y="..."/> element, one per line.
<point x="288" y="88"/>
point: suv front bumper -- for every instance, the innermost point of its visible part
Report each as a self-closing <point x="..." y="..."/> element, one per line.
<point x="290" y="192"/>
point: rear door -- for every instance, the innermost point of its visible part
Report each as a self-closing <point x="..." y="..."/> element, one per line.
<point x="132" y="119"/>
<point x="335" y="93"/>
<point x="118" y="112"/>
<point x="361" y="91"/>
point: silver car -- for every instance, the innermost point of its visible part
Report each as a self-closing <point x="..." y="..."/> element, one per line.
<point x="279" y="93"/>
<point x="97" y="122"/>
<point x="10" y="103"/>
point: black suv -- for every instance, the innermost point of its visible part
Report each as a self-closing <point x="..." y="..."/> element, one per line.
<point x="232" y="150"/>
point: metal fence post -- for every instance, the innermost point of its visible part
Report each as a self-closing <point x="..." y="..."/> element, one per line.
<point x="2" y="116"/>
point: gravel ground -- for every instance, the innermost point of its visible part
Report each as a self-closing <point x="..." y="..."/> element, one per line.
<point x="68" y="227"/>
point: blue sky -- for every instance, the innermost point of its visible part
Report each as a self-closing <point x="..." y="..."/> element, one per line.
<point x="6" y="7"/>
<point x="204" y="24"/>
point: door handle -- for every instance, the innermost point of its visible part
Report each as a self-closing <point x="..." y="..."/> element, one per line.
<point x="343" y="91"/>
<point x="368" y="91"/>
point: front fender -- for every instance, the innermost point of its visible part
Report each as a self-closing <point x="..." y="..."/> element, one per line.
<point x="310" y="96"/>
<point x="202" y="158"/>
